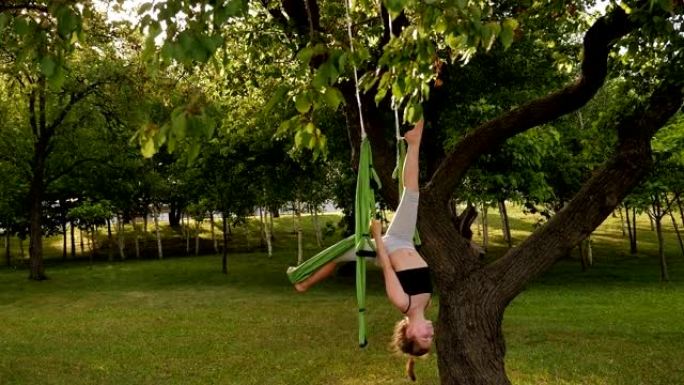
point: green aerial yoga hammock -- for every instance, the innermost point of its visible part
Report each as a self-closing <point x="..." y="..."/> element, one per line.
<point x="364" y="209"/>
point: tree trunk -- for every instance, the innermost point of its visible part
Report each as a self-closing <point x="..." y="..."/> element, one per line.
<point x="136" y="237"/>
<point x="145" y="222"/>
<point x="80" y="237"/>
<point x="485" y="227"/>
<point x="186" y="231"/>
<point x="633" y="248"/>
<point x="657" y="218"/>
<point x="121" y="237"/>
<point x="470" y="340"/>
<point x="270" y="223"/>
<point x="93" y="240"/>
<point x="505" y="227"/>
<point x="631" y="229"/>
<point x="21" y="248"/>
<point x="72" y="230"/>
<point x="267" y="231"/>
<point x="37" y="190"/>
<point x="197" y="237"/>
<point x="65" y="237"/>
<point x="262" y="230"/>
<point x="676" y="229"/>
<point x="681" y="208"/>
<point x="175" y="215"/>
<point x="8" y="256"/>
<point x="650" y="220"/>
<point x="224" y="259"/>
<point x="155" y="213"/>
<point x="110" y="243"/>
<point x="317" y="227"/>
<point x="212" y="224"/>
<point x="298" y="229"/>
<point x="622" y="221"/>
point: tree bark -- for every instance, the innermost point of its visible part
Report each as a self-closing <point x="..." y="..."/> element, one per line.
<point x="485" y="226"/>
<point x="136" y="238"/>
<point x="110" y="243"/>
<point x="657" y="218"/>
<point x="8" y="256"/>
<point x="262" y="228"/>
<point x="212" y="224"/>
<point x="633" y="248"/>
<point x="267" y="231"/>
<point x="155" y="213"/>
<point x="622" y="221"/>
<point x="65" y="240"/>
<point x="72" y="230"/>
<point x="186" y="231"/>
<point x="197" y="237"/>
<point x="21" y="248"/>
<point x="80" y="237"/>
<point x="298" y="229"/>
<point x="317" y="227"/>
<point x="121" y="237"/>
<point x="676" y="229"/>
<point x="681" y="208"/>
<point x="224" y="259"/>
<point x="505" y="227"/>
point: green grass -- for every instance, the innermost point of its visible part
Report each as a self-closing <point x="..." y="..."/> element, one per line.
<point x="180" y="321"/>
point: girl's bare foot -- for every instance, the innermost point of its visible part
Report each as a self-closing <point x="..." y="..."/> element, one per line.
<point x="413" y="136"/>
<point x="300" y="287"/>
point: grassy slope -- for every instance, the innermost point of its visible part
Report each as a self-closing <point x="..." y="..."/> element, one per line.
<point x="180" y="321"/>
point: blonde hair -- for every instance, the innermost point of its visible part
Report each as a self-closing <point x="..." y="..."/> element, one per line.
<point x="402" y="344"/>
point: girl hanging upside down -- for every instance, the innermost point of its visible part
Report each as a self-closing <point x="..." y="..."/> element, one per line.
<point x="407" y="276"/>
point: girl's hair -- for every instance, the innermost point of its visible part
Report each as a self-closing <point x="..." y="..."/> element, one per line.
<point x="402" y="344"/>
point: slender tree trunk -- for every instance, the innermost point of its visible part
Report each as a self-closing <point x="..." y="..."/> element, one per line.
<point x="224" y="259"/>
<point x="213" y="231"/>
<point x="298" y="229"/>
<point x="583" y="255"/>
<point x="676" y="229"/>
<point x="186" y="230"/>
<point x="262" y="228"/>
<point x="8" y="256"/>
<point x="590" y="251"/>
<point x="145" y="222"/>
<point x="121" y="237"/>
<point x="93" y="240"/>
<point x="657" y="218"/>
<point x="505" y="227"/>
<point x="65" y="242"/>
<point x="650" y="219"/>
<point x="681" y="208"/>
<point x="21" y="248"/>
<point x="80" y="237"/>
<point x="586" y="253"/>
<point x="270" y="223"/>
<point x="197" y="237"/>
<point x="485" y="227"/>
<point x="136" y="237"/>
<point x="622" y="221"/>
<point x="634" y="247"/>
<point x="317" y="227"/>
<point x="247" y="233"/>
<point x="155" y="214"/>
<point x="72" y="230"/>
<point x="92" y="244"/>
<point x="267" y="234"/>
<point x="110" y="242"/>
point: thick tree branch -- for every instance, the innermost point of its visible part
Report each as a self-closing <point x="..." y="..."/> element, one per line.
<point x="597" y="42"/>
<point x="68" y="169"/>
<point x="597" y="199"/>
<point x="74" y="98"/>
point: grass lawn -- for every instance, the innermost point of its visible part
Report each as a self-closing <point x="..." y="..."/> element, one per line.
<point x="180" y="321"/>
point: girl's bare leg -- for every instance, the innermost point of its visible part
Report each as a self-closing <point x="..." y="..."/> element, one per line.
<point x="411" y="169"/>
<point x="319" y="275"/>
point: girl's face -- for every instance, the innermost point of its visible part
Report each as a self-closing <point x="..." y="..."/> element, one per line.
<point x="421" y="332"/>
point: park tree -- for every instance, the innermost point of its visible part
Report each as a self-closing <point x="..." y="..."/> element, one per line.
<point x="403" y="49"/>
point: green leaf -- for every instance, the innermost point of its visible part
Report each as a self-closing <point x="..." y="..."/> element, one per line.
<point x="305" y="55"/>
<point x="236" y="8"/>
<point x="179" y="124"/>
<point x="303" y="102"/>
<point x="148" y="149"/>
<point x="333" y="97"/>
<point x="144" y="8"/>
<point x="278" y="96"/>
<point x="47" y="66"/>
<point x="4" y="20"/>
<point x="395" y="6"/>
<point x="413" y="112"/>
